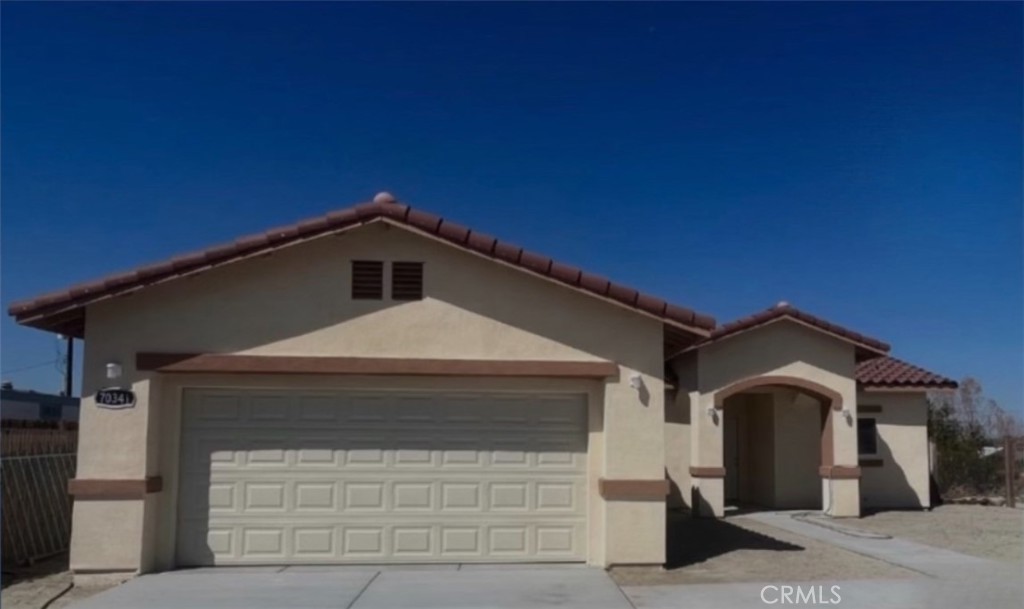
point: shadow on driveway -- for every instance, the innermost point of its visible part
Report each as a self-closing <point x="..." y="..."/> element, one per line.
<point x="695" y="540"/>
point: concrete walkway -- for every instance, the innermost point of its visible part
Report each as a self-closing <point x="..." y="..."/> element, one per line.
<point x="927" y="560"/>
<point x="948" y="580"/>
<point x="440" y="587"/>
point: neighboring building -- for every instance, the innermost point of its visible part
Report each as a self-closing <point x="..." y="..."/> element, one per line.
<point x="23" y="405"/>
<point x="382" y="385"/>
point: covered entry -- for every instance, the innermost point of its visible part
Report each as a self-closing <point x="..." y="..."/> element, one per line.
<point x="772" y="402"/>
<point x="279" y="477"/>
<point x="772" y="449"/>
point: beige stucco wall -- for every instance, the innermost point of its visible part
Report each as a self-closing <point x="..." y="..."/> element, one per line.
<point x="797" y="451"/>
<point x="106" y="535"/>
<point x="677" y="430"/>
<point x="296" y="302"/>
<point x="902" y="480"/>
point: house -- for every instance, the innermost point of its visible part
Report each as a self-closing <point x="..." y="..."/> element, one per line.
<point x="27" y="405"/>
<point x="383" y="385"/>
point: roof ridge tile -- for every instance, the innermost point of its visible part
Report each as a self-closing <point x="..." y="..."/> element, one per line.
<point x="787" y="310"/>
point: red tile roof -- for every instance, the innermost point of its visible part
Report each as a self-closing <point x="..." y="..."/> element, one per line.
<point x="891" y="372"/>
<point x="64" y="311"/>
<point x="866" y="346"/>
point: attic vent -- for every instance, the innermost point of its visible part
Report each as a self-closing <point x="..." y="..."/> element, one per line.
<point x="406" y="280"/>
<point x="367" y="280"/>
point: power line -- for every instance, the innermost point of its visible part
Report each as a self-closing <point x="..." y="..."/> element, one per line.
<point x="29" y="367"/>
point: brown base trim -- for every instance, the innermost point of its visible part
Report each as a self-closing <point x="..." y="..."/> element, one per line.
<point x="206" y="363"/>
<point x="839" y="472"/>
<point x="80" y="488"/>
<point x="871" y="462"/>
<point x="633" y="490"/>
<point x="707" y="472"/>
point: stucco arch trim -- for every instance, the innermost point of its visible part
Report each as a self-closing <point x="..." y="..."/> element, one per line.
<point x="826" y="394"/>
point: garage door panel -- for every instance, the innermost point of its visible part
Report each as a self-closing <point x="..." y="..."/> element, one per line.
<point x="316" y="496"/>
<point x="222" y="453"/>
<point x="384" y="477"/>
<point x="332" y="496"/>
<point x="314" y="542"/>
<point x="412" y="541"/>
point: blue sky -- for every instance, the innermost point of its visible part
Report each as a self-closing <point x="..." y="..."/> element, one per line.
<point x="862" y="161"/>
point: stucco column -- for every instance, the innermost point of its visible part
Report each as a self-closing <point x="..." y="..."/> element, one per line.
<point x="840" y="472"/>
<point x="706" y="460"/>
<point x="108" y="524"/>
<point x="116" y="477"/>
<point x="633" y="485"/>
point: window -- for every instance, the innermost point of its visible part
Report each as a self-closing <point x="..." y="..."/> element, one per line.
<point x="867" y="437"/>
<point x="407" y="281"/>
<point x="367" y="280"/>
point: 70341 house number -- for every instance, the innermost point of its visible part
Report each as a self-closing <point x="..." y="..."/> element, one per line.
<point x="115" y="398"/>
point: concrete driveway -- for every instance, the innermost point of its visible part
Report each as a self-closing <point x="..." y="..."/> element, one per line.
<point x="441" y="587"/>
<point x="940" y="579"/>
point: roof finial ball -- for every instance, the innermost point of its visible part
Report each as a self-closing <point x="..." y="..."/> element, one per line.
<point x="384" y="197"/>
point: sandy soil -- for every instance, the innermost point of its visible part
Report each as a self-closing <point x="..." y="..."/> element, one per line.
<point x="740" y="550"/>
<point x="985" y="531"/>
<point x="33" y="587"/>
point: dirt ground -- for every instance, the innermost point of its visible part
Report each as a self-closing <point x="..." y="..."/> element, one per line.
<point x="737" y="549"/>
<point x="32" y="587"/>
<point x="978" y="530"/>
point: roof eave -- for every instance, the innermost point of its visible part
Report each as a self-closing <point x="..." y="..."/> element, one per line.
<point x="41" y="312"/>
<point x="41" y="317"/>
<point x="874" y="388"/>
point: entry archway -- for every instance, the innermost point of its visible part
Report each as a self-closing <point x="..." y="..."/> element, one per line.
<point x="777" y="441"/>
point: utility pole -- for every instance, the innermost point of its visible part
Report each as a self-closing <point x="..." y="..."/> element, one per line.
<point x="69" y="362"/>
<point x="1010" y="469"/>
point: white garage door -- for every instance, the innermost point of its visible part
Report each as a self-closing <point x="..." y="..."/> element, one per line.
<point x="274" y="477"/>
